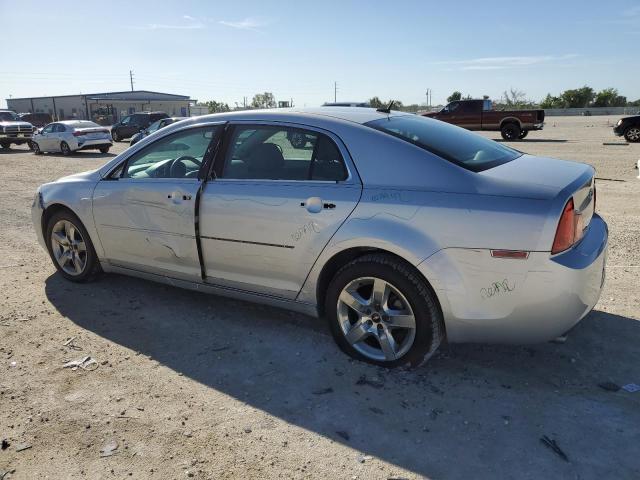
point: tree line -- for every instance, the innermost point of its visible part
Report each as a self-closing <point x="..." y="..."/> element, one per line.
<point x="510" y="99"/>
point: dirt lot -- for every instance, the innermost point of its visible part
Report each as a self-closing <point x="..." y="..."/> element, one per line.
<point x="190" y="385"/>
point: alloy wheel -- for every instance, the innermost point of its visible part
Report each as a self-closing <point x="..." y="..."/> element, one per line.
<point x="376" y="319"/>
<point x="633" y="134"/>
<point x="68" y="247"/>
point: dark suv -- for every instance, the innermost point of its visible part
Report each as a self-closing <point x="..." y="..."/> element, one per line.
<point x="132" y="124"/>
<point x="629" y="127"/>
<point x="36" y="119"/>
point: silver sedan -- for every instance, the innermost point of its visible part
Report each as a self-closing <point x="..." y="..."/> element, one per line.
<point x="400" y="230"/>
<point x="69" y="136"/>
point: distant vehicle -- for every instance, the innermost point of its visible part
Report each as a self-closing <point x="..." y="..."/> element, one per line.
<point x="346" y="104"/>
<point x="400" y="230"/>
<point x="71" y="135"/>
<point x="13" y="129"/>
<point x="479" y="115"/>
<point x="36" y="119"/>
<point x="629" y="127"/>
<point x="157" y="125"/>
<point x="134" y="123"/>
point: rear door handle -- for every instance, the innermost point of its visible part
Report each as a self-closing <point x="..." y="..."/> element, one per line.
<point x="315" y="205"/>
<point x="178" y="196"/>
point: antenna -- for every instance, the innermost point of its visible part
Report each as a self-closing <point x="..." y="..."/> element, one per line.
<point x="386" y="109"/>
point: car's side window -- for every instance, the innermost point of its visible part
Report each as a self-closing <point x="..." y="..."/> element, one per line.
<point x="48" y="128"/>
<point x="176" y="156"/>
<point x="126" y="120"/>
<point x="282" y="153"/>
<point x="59" y="128"/>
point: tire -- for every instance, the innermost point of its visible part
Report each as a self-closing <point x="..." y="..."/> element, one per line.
<point x="36" y="148"/>
<point x="523" y="134"/>
<point x="632" y="134"/>
<point x="64" y="262"/>
<point x="115" y="136"/>
<point x="409" y="294"/>
<point x="5" y="146"/>
<point x="104" y="150"/>
<point x="510" y="131"/>
<point x="65" y="149"/>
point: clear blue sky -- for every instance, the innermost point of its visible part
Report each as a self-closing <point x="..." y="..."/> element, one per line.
<point x="226" y="50"/>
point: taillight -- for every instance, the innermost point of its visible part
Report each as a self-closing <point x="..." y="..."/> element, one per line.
<point x="78" y="134"/>
<point x="570" y="229"/>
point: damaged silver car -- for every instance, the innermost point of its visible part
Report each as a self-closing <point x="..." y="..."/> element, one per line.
<point x="400" y="230"/>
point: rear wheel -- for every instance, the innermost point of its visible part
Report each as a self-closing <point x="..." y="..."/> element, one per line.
<point x="104" y="150"/>
<point x="70" y="247"/>
<point x="510" y="131"/>
<point x="632" y="134"/>
<point x="64" y="148"/>
<point x="523" y="134"/>
<point x="382" y="312"/>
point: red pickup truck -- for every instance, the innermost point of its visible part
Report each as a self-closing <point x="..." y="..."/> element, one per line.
<point x="479" y="115"/>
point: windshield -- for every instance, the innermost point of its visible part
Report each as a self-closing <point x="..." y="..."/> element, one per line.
<point x="459" y="146"/>
<point x="9" y="117"/>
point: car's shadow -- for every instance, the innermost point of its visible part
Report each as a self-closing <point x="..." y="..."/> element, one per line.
<point x="80" y="154"/>
<point x="472" y="412"/>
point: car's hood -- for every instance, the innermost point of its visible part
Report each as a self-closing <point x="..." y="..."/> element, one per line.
<point x="633" y="117"/>
<point x="14" y="123"/>
<point x="534" y="177"/>
<point x="91" y="175"/>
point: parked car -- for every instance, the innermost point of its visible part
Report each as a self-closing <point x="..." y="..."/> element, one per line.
<point x="71" y="135"/>
<point x="157" y="125"/>
<point x="398" y="229"/>
<point x="629" y="127"/>
<point x="38" y="120"/>
<point x="13" y="130"/>
<point x="132" y="124"/>
<point x="479" y="115"/>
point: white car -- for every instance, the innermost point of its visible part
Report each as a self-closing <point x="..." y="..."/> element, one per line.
<point x="71" y="135"/>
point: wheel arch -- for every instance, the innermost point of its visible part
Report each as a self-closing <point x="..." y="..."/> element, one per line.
<point x="57" y="206"/>
<point x="507" y="120"/>
<point x="341" y="258"/>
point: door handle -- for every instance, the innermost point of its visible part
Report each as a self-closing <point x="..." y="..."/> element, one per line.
<point x="178" y="196"/>
<point x="315" y="205"/>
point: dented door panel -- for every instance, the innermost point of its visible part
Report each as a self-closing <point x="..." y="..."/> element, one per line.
<point x="149" y="225"/>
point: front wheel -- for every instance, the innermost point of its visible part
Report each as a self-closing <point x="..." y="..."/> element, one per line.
<point x="6" y="146"/>
<point x="381" y="311"/>
<point x="36" y="148"/>
<point x="70" y="247"/>
<point x="510" y="131"/>
<point x="115" y="136"/>
<point x="104" y="150"/>
<point x="632" y="134"/>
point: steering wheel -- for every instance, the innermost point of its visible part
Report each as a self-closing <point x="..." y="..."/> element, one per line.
<point x="179" y="169"/>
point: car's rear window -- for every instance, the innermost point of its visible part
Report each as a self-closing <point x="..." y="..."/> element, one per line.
<point x="469" y="150"/>
<point x="85" y="125"/>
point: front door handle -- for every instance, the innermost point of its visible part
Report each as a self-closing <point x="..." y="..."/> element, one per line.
<point x="177" y="196"/>
<point x="315" y="205"/>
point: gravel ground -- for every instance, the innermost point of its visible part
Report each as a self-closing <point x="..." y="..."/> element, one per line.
<point x="195" y="386"/>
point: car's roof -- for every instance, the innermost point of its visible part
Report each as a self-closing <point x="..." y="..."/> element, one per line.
<point x="359" y="115"/>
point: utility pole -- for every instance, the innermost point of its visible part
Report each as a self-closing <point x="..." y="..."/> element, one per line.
<point x="335" y="92"/>
<point x="131" y="78"/>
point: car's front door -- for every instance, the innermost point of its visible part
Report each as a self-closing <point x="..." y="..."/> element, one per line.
<point x="145" y="210"/>
<point x="279" y="194"/>
<point x="44" y="139"/>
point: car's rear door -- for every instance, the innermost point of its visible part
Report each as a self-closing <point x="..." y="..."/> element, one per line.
<point x="145" y="210"/>
<point x="272" y="206"/>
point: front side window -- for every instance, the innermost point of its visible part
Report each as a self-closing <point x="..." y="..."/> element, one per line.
<point x="154" y="126"/>
<point x="126" y="121"/>
<point x="454" y="144"/>
<point x="48" y="128"/>
<point x="176" y="156"/>
<point x="282" y="153"/>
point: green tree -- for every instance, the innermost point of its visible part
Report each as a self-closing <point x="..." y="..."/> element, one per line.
<point x="577" y="98"/>
<point x="454" y="97"/>
<point x="375" y="102"/>
<point x="609" y="98"/>
<point x="551" y="102"/>
<point x="216" y="107"/>
<point x="263" y="100"/>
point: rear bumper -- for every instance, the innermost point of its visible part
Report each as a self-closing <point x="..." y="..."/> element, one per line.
<point x="538" y="126"/>
<point x="485" y="299"/>
<point x="93" y="144"/>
